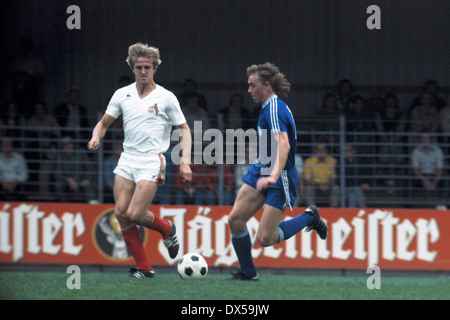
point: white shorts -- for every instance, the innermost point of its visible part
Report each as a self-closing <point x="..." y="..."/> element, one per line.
<point x="142" y="167"/>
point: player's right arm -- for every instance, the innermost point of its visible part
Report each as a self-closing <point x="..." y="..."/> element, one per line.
<point x="100" y="131"/>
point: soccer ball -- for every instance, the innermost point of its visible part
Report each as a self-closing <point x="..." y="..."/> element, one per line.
<point x="192" y="266"/>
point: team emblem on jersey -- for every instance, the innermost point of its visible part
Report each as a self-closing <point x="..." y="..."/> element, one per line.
<point x="153" y="109"/>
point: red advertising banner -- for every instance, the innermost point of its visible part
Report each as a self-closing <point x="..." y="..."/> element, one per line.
<point x="55" y="233"/>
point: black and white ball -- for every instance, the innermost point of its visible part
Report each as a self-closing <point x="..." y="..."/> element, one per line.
<point x="192" y="266"/>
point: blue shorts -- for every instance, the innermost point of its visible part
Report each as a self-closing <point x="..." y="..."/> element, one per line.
<point x="280" y="195"/>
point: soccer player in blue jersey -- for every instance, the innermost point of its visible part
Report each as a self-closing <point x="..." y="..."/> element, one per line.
<point x="271" y="182"/>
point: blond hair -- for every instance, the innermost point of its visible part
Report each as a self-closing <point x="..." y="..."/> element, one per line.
<point x="270" y="72"/>
<point x="143" y="50"/>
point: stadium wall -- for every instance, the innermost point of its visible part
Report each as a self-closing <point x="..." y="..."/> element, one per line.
<point x="88" y="234"/>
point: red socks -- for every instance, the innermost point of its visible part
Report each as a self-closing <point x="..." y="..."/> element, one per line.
<point x="161" y="226"/>
<point x="133" y="239"/>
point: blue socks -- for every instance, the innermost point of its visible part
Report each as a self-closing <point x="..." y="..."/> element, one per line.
<point x="290" y="227"/>
<point x="243" y="246"/>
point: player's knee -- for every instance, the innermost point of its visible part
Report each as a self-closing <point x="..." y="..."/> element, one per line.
<point x="235" y="222"/>
<point x="122" y="218"/>
<point x="134" y="216"/>
<point x="126" y="216"/>
<point x="265" y="240"/>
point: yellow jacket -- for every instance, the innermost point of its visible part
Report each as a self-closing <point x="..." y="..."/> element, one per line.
<point x="320" y="171"/>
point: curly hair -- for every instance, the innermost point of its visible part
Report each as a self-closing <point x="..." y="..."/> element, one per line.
<point x="143" y="50"/>
<point x="270" y="72"/>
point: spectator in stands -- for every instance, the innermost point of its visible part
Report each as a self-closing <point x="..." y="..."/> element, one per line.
<point x="190" y="87"/>
<point x="190" y="192"/>
<point x="211" y="191"/>
<point x="360" y="123"/>
<point x="42" y="133"/>
<point x="423" y="117"/>
<point x="12" y="120"/>
<point x="13" y="171"/>
<point x="72" y="116"/>
<point x="432" y="87"/>
<point x="235" y="115"/>
<point x="41" y="156"/>
<point x="41" y="121"/>
<point x="320" y="177"/>
<point x="356" y="179"/>
<point x="344" y="96"/>
<point x="427" y="162"/>
<point x="326" y="119"/>
<point x="48" y="156"/>
<point x="390" y="122"/>
<point x="74" y="172"/>
<point x="375" y="102"/>
<point x="193" y="112"/>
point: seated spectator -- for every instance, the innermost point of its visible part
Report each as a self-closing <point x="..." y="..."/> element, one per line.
<point x="320" y="177"/>
<point x="344" y="91"/>
<point x="360" y="122"/>
<point x="390" y="122"/>
<point x="211" y="191"/>
<point x="326" y="119"/>
<point x="72" y="116"/>
<point x="375" y="101"/>
<point x="42" y="134"/>
<point x="48" y="165"/>
<point x="193" y="112"/>
<point x="423" y="117"/>
<point x="427" y="161"/>
<point x="235" y="115"/>
<point x="41" y="121"/>
<point x="13" y="172"/>
<point x="356" y="179"/>
<point x="74" y="170"/>
<point x="12" y="120"/>
<point x="190" y="87"/>
<point x="432" y="87"/>
<point x="190" y="192"/>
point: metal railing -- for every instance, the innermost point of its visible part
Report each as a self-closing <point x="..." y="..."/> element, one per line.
<point x="383" y="162"/>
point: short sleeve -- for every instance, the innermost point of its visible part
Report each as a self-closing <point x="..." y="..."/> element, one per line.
<point x="279" y="117"/>
<point x="173" y="110"/>
<point x="114" y="109"/>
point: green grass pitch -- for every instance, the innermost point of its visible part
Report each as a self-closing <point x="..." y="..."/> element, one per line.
<point x="168" y="286"/>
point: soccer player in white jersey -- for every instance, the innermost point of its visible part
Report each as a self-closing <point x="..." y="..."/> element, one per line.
<point x="148" y="112"/>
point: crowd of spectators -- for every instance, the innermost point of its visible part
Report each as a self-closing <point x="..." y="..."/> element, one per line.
<point x="43" y="150"/>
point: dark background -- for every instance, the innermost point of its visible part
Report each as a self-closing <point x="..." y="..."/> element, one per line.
<point x="314" y="42"/>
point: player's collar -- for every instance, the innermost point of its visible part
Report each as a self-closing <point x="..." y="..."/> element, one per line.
<point x="268" y="101"/>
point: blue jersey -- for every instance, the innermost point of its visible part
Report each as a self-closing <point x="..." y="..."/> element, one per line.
<point x="276" y="117"/>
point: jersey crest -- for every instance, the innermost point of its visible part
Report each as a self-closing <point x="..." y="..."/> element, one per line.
<point x="153" y="109"/>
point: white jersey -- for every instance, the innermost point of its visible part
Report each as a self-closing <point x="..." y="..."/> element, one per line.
<point x="147" y="122"/>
